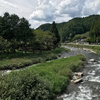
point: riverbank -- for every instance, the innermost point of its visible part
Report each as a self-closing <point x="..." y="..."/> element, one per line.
<point x="40" y="82"/>
<point x="19" y="60"/>
<point x="92" y="48"/>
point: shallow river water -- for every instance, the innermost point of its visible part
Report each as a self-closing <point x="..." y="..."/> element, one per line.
<point x="89" y="89"/>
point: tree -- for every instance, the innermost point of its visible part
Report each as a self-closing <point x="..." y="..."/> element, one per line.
<point x="15" y="30"/>
<point x="4" y="45"/>
<point x="44" y="40"/>
<point x="95" y="31"/>
<point x="54" y="30"/>
<point x="24" y="34"/>
<point x="9" y="28"/>
<point x="5" y="26"/>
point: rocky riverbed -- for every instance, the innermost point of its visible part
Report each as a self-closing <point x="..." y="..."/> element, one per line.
<point x="89" y="88"/>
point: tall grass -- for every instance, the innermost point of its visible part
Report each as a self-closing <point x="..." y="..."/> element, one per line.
<point x="40" y="82"/>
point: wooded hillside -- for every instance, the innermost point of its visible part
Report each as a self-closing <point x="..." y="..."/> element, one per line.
<point x="68" y="30"/>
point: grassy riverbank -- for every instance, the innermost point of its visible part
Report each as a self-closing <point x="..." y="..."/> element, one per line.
<point x="94" y="48"/>
<point x="40" y="82"/>
<point x="19" y="60"/>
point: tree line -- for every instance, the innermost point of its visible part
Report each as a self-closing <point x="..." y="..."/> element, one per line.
<point x="16" y="34"/>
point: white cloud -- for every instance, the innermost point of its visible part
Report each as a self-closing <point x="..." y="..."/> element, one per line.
<point x="91" y="7"/>
<point x="78" y="8"/>
<point x="45" y="11"/>
<point x="71" y="7"/>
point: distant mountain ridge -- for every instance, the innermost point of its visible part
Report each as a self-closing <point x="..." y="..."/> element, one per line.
<point x="73" y="27"/>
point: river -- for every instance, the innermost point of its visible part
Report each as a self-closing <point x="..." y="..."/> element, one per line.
<point x="89" y="89"/>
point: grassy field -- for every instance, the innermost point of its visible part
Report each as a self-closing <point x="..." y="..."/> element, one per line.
<point x="40" y="82"/>
<point x="94" y="48"/>
<point x="19" y="60"/>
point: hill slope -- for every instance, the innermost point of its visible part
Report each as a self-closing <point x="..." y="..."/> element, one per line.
<point x="69" y="29"/>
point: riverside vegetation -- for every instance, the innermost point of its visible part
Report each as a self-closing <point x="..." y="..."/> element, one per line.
<point x="19" y="60"/>
<point x="40" y="82"/>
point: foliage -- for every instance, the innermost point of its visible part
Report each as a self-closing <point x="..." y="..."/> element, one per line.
<point x="4" y="45"/>
<point x="88" y="40"/>
<point x="24" y="85"/>
<point x="55" y="33"/>
<point x="95" y="31"/>
<point x="81" y="36"/>
<point x="15" y="30"/>
<point x="25" y="33"/>
<point x="44" y="40"/>
<point x="40" y="82"/>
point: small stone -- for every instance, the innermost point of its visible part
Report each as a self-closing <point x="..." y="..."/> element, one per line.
<point x="92" y="60"/>
<point x="78" y="80"/>
<point x="71" y="80"/>
<point x="79" y="74"/>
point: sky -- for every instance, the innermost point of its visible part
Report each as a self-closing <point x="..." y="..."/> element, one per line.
<point x="39" y="12"/>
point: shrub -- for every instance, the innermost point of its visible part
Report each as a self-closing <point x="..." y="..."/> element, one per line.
<point x="59" y="55"/>
<point x="82" y="57"/>
<point x="24" y="86"/>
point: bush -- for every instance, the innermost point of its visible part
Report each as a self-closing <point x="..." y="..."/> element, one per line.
<point x="24" y="86"/>
<point x="82" y="57"/>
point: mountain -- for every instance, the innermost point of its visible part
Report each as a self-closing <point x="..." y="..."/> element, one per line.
<point x="68" y="30"/>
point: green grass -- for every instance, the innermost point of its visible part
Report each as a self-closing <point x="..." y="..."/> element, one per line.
<point x="40" y="82"/>
<point x="19" y="60"/>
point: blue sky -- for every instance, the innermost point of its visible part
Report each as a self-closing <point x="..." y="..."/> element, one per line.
<point x="45" y="11"/>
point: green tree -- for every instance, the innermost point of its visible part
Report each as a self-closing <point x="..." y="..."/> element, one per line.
<point x="9" y="28"/>
<point x="5" y="26"/>
<point x="4" y="45"/>
<point x="54" y="30"/>
<point x="95" y="31"/>
<point x="24" y="34"/>
<point x="44" y="40"/>
<point x="15" y="30"/>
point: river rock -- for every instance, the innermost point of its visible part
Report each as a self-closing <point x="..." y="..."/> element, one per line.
<point x="76" y="77"/>
<point x="92" y="60"/>
<point x="78" y="80"/>
<point x="79" y="74"/>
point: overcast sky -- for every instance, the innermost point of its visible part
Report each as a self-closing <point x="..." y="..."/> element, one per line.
<point x="45" y="11"/>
